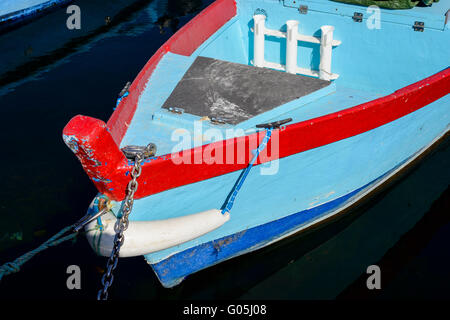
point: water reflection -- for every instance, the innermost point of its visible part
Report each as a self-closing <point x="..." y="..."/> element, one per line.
<point x="44" y="42"/>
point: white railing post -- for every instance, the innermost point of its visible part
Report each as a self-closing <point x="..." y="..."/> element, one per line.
<point x="292" y="37"/>
<point x="326" y="45"/>
<point x="258" y="42"/>
<point x="291" y="46"/>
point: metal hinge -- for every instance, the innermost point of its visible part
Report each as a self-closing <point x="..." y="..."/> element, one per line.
<point x="419" y="26"/>
<point x="357" y="17"/>
<point x="217" y="121"/>
<point x="176" y="110"/>
<point x="303" y="9"/>
<point x="131" y="151"/>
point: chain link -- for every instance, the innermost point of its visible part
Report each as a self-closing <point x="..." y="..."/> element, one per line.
<point x="120" y="227"/>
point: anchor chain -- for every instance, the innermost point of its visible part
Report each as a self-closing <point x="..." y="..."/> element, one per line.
<point x="120" y="227"/>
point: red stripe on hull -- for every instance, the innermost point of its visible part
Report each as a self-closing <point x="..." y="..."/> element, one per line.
<point x="364" y="117"/>
<point x="163" y="173"/>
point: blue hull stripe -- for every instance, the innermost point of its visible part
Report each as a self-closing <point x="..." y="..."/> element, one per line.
<point x="175" y="268"/>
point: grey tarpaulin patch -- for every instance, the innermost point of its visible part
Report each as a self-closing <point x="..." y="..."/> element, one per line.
<point x="235" y="92"/>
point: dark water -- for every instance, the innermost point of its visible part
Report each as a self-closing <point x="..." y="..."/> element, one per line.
<point x="49" y="74"/>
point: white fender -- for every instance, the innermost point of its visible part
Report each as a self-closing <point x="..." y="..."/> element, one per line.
<point x="143" y="237"/>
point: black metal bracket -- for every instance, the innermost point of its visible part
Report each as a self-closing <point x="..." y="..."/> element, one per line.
<point x="419" y="26"/>
<point x="274" y="125"/>
<point x="176" y="110"/>
<point x="357" y="17"/>
<point x="217" y="121"/>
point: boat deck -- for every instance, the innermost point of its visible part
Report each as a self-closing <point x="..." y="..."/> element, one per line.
<point x="152" y="123"/>
<point x="234" y="92"/>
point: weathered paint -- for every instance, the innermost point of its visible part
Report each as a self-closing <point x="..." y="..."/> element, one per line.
<point x="94" y="146"/>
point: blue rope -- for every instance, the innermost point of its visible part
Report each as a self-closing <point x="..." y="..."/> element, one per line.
<point x="14" y="266"/>
<point x="120" y="99"/>
<point x="241" y="180"/>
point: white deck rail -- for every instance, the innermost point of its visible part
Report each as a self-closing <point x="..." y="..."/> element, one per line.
<point x="292" y="36"/>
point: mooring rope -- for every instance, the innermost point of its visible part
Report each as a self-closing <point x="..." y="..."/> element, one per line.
<point x="241" y="180"/>
<point x="14" y="266"/>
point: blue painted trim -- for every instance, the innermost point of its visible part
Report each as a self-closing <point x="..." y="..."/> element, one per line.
<point x="242" y="178"/>
<point x="120" y="99"/>
<point x="172" y="270"/>
<point x="25" y="15"/>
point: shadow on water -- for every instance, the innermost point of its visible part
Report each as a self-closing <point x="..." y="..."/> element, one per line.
<point x="45" y="189"/>
<point x="420" y="256"/>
